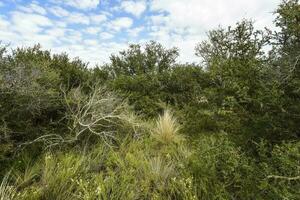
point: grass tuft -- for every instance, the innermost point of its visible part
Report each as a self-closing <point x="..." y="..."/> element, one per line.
<point x="167" y="128"/>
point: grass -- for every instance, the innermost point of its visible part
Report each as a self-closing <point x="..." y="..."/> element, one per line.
<point x="138" y="168"/>
<point x="7" y="192"/>
<point x="161" y="169"/>
<point x="167" y="128"/>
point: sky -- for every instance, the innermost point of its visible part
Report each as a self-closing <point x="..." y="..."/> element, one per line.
<point x="94" y="29"/>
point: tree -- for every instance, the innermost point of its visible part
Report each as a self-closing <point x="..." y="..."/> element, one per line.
<point x="135" y="61"/>
<point x="243" y="84"/>
<point x="286" y="64"/>
<point x="233" y="53"/>
<point x="31" y="102"/>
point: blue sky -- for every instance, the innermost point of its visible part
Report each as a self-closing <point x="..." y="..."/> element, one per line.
<point x="94" y="29"/>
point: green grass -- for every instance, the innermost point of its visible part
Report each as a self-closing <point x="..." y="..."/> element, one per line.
<point x="138" y="168"/>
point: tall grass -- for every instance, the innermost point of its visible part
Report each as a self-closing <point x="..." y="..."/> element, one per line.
<point x="7" y="192"/>
<point x="167" y="128"/>
<point x="160" y="169"/>
<point x="138" y="168"/>
<point x="28" y="175"/>
<point x="58" y="173"/>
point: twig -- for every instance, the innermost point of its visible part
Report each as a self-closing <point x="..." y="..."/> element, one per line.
<point x="284" y="177"/>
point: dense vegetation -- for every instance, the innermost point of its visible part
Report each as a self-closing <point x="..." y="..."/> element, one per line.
<point x="145" y="127"/>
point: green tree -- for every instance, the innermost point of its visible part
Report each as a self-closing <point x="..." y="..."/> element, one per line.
<point x="244" y="89"/>
<point x="136" y="61"/>
<point x="286" y="64"/>
<point x="31" y="100"/>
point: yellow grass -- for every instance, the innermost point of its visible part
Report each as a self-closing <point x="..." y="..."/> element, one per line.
<point x="167" y="128"/>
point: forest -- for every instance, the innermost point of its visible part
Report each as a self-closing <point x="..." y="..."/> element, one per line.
<point x="144" y="126"/>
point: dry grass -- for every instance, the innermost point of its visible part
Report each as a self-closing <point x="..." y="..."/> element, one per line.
<point x="167" y="128"/>
<point x="7" y="192"/>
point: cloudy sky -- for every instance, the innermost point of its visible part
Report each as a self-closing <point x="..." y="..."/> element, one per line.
<point x="94" y="29"/>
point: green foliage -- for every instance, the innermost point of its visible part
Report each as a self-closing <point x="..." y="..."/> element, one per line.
<point x="222" y="171"/>
<point x="286" y="64"/>
<point x="177" y="87"/>
<point x="153" y="59"/>
<point x="138" y="74"/>
<point x="141" y="92"/>
<point x="69" y="132"/>
<point x="31" y="103"/>
<point x="244" y="85"/>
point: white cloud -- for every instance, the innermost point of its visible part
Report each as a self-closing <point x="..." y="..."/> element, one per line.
<point x="134" y="7"/>
<point x="135" y="31"/>
<point x="77" y="18"/>
<point x="93" y="30"/>
<point x="56" y="32"/>
<point x="90" y="42"/>
<point x="203" y="15"/>
<point x="97" y="19"/>
<point x="28" y="29"/>
<point x="183" y="23"/>
<point x="159" y="19"/>
<point x="29" y="23"/>
<point x="121" y="23"/>
<point x="3" y="22"/>
<point x="33" y="8"/>
<point x="72" y="37"/>
<point x="106" y="35"/>
<point x="58" y="11"/>
<point x="80" y="4"/>
<point x="61" y="24"/>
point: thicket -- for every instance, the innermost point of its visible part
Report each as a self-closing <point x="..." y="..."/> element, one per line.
<point x="146" y="127"/>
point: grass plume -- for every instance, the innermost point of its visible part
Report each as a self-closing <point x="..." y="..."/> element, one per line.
<point x="167" y="128"/>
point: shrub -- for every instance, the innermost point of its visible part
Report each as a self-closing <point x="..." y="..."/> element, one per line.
<point x="221" y="170"/>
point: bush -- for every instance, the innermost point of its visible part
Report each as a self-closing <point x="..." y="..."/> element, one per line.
<point x="222" y="171"/>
